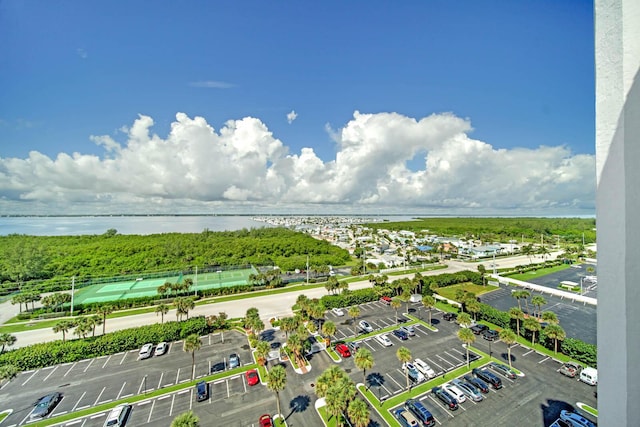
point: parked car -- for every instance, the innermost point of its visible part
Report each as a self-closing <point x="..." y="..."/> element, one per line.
<point x="118" y="416"/>
<point x="384" y="340"/>
<point x="424" y="368"/>
<point x="445" y="398"/>
<point x="202" y="391"/>
<point x="570" y="369"/>
<point x="455" y="392"/>
<point x="265" y="421"/>
<point x="353" y="346"/>
<point x="218" y="367"/>
<point x="450" y="316"/>
<point x="338" y="311"/>
<point x="425" y="418"/>
<point x="479" y="328"/>
<point x="385" y="300"/>
<point x="405" y="418"/>
<point x="477" y="383"/>
<point x="504" y="370"/>
<point x="234" y="360"/>
<point x="252" y="377"/>
<point x="575" y="420"/>
<point x="401" y="334"/>
<point x="45" y="405"/>
<point x="365" y="326"/>
<point x="414" y="375"/>
<point x="161" y="348"/>
<point x="589" y="375"/>
<point x="490" y="335"/>
<point x="488" y="377"/>
<point x="409" y="329"/>
<point x="343" y="350"/>
<point x="146" y="351"/>
<point x="469" y="390"/>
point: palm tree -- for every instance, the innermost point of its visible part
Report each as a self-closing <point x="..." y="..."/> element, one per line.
<point x="332" y="284"/>
<point x="396" y="304"/>
<point x="518" y="315"/>
<point x="95" y="320"/>
<point x="104" y="310"/>
<point x="556" y="333"/>
<point x="162" y="309"/>
<point x="7" y="340"/>
<point x="83" y="326"/>
<point x="19" y="299"/>
<point x="334" y="404"/>
<point x="294" y="343"/>
<point x="429" y="302"/>
<point x="363" y="360"/>
<point x="404" y="356"/>
<point x="467" y="336"/>
<point x="262" y="351"/>
<point x="473" y="307"/>
<point x="186" y="419"/>
<point x="464" y="319"/>
<point x="276" y="381"/>
<point x="525" y="296"/>
<point x="328" y="329"/>
<point x="64" y="326"/>
<point x="538" y="301"/>
<point x="517" y="296"/>
<point x="532" y="325"/>
<point x="550" y="317"/>
<point x="188" y="304"/>
<point x="358" y="412"/>
<point x="508" y="337"/>
<point x="288" y="324"/>
<point x="354" y="313"/>
<point x="191" y="344"/>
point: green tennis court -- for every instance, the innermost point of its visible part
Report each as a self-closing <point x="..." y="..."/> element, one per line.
<point x="142" y="287"/>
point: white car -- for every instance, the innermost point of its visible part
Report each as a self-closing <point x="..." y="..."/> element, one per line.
<point x="384" y="340"/>
<point x="145" y="351"/>
<point x="470" y="391"/>
<point x="162" y="348"/>
<point x="424" y="368"/>
<point x="338" y="311"/>
<point x="365" y="326"/>
<point x="455" y="392"/>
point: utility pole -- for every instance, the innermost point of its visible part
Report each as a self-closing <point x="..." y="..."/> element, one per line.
<point x="73" y="289"/>
<point x="307" y="269"/>
<point x="196" y="281"/>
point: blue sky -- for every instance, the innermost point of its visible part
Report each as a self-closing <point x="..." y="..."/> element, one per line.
<point x="507" y="77"/>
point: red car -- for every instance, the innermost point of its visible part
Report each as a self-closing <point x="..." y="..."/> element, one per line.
<point x="265" y="421"/>
<point x="252" y="377"/>
<point x="385" y="300"/>
<point x="343" y="350"/>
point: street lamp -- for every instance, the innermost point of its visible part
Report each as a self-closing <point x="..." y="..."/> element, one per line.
<point x="219" y="278"/>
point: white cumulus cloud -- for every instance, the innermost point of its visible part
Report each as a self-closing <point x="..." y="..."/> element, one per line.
<point x="243" y="167"/>
<point x="292" y="116"/>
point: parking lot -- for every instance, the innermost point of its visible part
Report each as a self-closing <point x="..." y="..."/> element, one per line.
<point x="105" y="379"/>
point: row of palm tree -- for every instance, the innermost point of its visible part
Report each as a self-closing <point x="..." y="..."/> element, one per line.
<point x="175" y="288"/>
<point x="26" y="298"/>
<point x="339" y="392"/>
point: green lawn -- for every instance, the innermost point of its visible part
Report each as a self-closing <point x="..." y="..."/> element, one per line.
<point x="525" y="277"/>
<point x="450" y="291"/>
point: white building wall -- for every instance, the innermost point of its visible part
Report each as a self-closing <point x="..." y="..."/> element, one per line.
<point x="617" y="48"/>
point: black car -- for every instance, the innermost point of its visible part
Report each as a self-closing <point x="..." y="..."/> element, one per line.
<point x="202" y="391"/>
<point x="488" y="377"/>
<point x="445" y="397"/>
<point x="400" y="334"/>
<point x="45" y="405"/>
<point x="450" y="316"/>
<point x="218" y="367"/>
<point x="478" y="329"/>
<point x="477" y="383"/>
<point x="421" y="412"/>
<point x="490" y="335"/>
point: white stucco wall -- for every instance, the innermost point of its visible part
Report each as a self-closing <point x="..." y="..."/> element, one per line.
<point x="617" y="46"/>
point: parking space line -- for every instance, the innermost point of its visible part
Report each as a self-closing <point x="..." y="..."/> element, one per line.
<point x="121" y="388"/>
<point x="153" y="402"/>
<point x="166" y="396"/>
<point x="227" y="384"/>
<point x="106" y="361"/>
<point x="123" y="357"/>
<point x="184" y="391"/>
<point x="399" y="385"/>
<point x="104" y="401"/>
<point x="173" y="399"/>
<point x="78" y="402"/>
<point x="69" y="370"/>
<point x="440" y="405"/>
<point x="89" y="365"/>
<point x="445" y="360"/>
<point x="32" y="375"/>
<point x="435" y="364"/>
<point x="244" y="383"/>
<point x="368" y="345"/>
<point x="160" y="382"/>
<point x="530" y="351"/>
<point x="545" y="359"/>
<point x="50" y="373"/>
<point x="177" y="376"/>
<point x="99" y="396"/>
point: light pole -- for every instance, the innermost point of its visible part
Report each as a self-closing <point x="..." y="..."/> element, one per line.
<point x="219" y="278"/>
<point x="195" y="285"/>
<point x="145" y="384"/>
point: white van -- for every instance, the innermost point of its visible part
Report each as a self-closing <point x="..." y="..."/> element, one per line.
<point x="118" y="416"/>
<point x="589" y="376"/>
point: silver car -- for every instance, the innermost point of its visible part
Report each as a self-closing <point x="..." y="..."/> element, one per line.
<point x="470" y="391"/>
